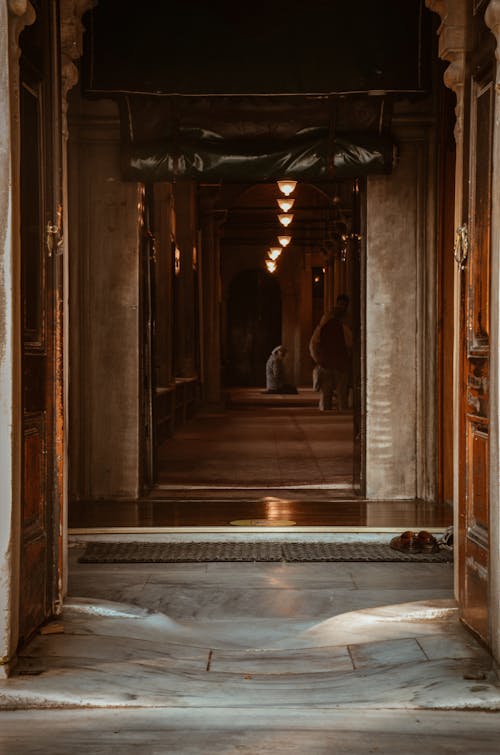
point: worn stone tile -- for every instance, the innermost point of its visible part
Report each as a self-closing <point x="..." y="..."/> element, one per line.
<point x="406" y="575"/>
<point x="261" y="661"/>
<point x="388" y="653"/>
<point x="462" y="645"/>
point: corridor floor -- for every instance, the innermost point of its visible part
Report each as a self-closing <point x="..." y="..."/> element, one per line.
<point x="260" y="445"/>
<point x="254" y="658"/>
<point x="264" y="459"/>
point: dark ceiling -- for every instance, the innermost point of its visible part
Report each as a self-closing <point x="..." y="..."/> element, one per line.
<point x="224" y="47"/>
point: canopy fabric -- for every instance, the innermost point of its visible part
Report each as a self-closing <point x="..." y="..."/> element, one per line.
<point x="239" y="139"/>
<point x="311" y="154"/>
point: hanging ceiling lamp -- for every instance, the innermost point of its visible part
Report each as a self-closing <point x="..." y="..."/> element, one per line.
<point x="271" y="266"/>
<point x="287" y="187"/>
<point x="284" y="240"/>
<point x="285" y="203"/>
<point x="285" y="218"/>
<point x="274" y="252"/>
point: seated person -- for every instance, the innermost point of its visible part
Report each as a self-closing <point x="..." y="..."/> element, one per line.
<point x="275" y="373"/>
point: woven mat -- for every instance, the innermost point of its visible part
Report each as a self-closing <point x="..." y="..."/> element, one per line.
<point x="134" y="553"/>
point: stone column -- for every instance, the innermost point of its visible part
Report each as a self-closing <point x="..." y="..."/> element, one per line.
<point x="14" y="16"/>
<point x="105" y="420"/>
<point x="342" y="276"/>
<point x="185" y="328"/>
<point x="304" y="362"/>
<point x="329" y="290"/>
<point x="396" y="255"/>
<point x="211" y="221"/>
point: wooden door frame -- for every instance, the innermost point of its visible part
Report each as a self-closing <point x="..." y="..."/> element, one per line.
<point x="147" y="281"/>
<point x="446" y="206"/>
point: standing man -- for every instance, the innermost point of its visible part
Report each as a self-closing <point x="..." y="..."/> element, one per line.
<point x="331" y="349"/>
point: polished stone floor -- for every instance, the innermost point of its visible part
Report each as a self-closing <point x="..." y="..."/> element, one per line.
<point x="267" y="446"/>
<point x="263" y="458"/>
<point x="205" y="511"/>
<point x="254" y="658"/>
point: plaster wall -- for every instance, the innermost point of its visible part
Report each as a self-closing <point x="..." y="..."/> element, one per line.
<point x="394" y="349"/>
<point x="104" y="310"/>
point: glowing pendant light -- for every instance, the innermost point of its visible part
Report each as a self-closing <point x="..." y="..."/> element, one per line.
<point x="287" y="187"/>
<point x="285" y="204"/>
<point x="271" y="266"/>
<point x="284" y="240"/>
<point x="274" y="252"/>
<point x="285" y="218"/>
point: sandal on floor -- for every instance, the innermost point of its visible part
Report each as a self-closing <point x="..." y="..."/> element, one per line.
<point x="404" y="542"/>
<point x="425" y="542"/>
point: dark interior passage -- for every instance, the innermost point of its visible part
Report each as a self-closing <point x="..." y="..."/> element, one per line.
<point x="254" y="325"/>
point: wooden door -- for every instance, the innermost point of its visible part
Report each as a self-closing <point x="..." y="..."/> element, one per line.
<point x="475" y="330"/>
<point x="41" y="301"/>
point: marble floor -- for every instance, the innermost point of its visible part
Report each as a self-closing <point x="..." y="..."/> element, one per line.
<point x="262" y="457"/>
<point x="207" y="511"/>
<point x="253" y="658"/>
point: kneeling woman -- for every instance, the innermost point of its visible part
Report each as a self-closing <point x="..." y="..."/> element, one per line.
<point x="275" y="373"/>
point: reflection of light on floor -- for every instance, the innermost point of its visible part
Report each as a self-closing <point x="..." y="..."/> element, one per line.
<point x="277" y="509"/>
<point x="276" y="512"/>
<point x="263" y="523"/>
<point x="384" y="622"/>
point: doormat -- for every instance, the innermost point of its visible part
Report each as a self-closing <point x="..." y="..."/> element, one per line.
<point x="164" y="553"/>
<point x="263" y="523"/>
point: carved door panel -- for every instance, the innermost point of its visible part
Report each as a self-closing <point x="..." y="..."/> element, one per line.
<point x="41" y="301"/>
<point x="474" y="430"/>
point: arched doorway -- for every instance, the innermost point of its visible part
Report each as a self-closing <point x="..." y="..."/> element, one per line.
<point x="254" y="326"/>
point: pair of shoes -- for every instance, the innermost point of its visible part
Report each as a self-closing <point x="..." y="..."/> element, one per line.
<point x="404" y="542"/>
<point x="411" y="542"/>
<point x="426" y="543"/>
